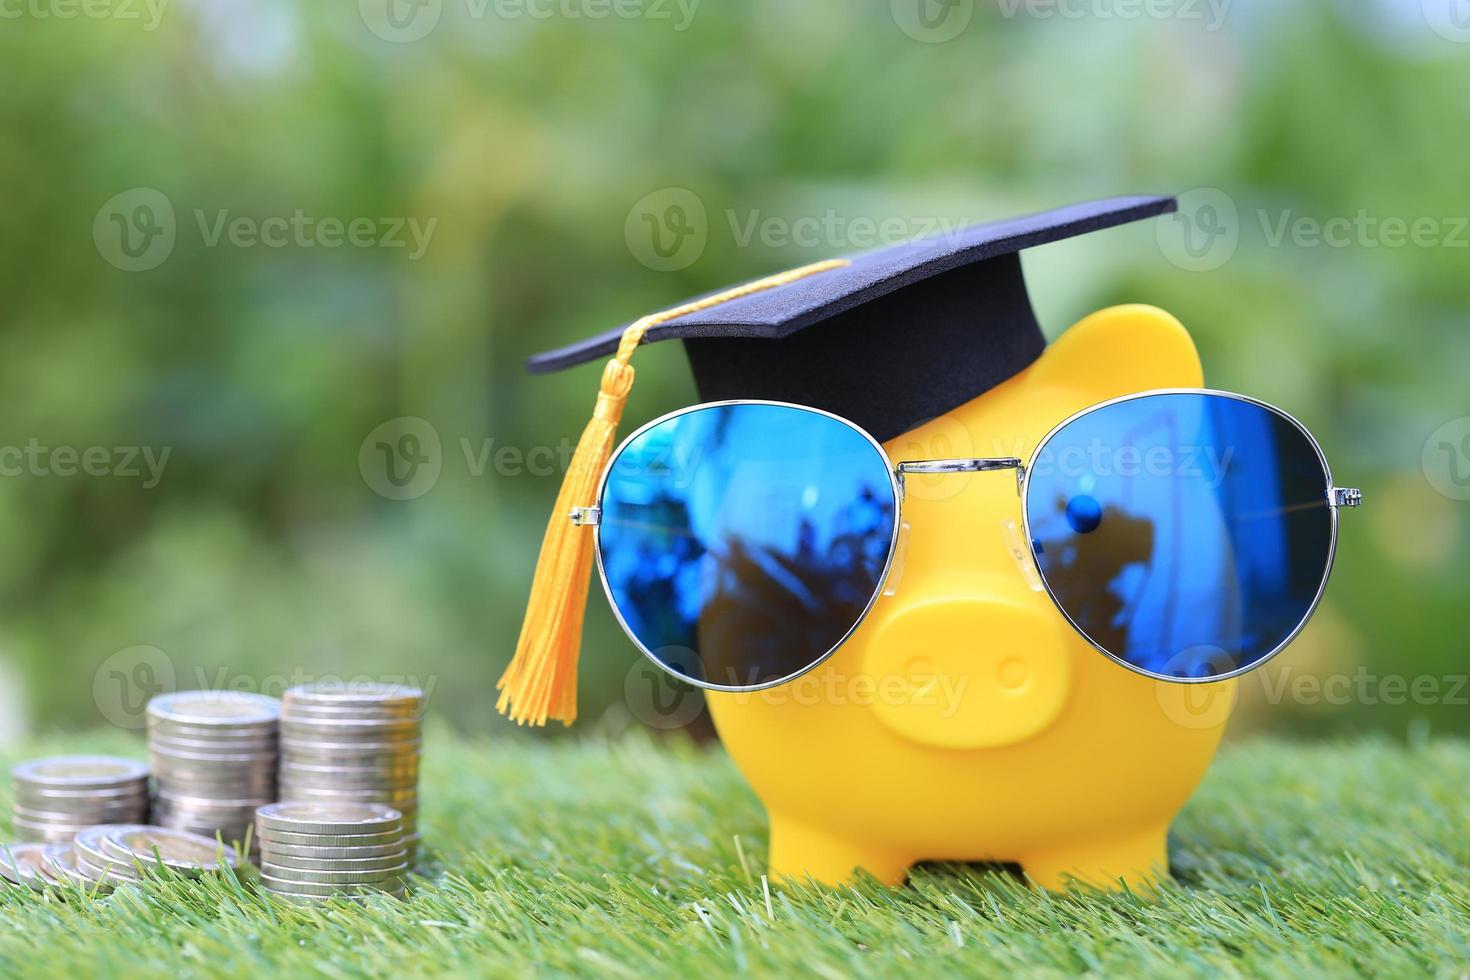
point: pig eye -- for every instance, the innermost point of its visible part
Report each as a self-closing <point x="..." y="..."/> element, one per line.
<point x="1084" y="513"/>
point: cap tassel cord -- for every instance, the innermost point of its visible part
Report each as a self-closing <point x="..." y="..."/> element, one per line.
<point x="541" y="681"/>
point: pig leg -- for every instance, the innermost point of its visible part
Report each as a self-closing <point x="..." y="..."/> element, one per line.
<point x="1139" y="859"/>
<point x="799" y="851"/>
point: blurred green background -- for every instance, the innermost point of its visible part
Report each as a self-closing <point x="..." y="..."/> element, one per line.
<point x="148" y="300"/>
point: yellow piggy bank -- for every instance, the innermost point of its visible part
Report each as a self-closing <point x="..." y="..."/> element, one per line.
<point x="965" y="719"/>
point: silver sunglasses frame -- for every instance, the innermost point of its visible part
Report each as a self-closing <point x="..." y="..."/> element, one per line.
<point x="1335" y="498"/>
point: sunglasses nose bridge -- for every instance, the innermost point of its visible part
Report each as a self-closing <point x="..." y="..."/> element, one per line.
<point x="979" y="464"/>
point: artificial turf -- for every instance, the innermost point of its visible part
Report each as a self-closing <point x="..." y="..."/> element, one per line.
<point x="634" y="858"/>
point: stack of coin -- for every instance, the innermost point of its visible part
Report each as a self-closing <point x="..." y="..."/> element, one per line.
<point x="120" y="853"/>
<point x="103" y="857"/>
<point x="311" y="852"/>
<point x="354" y="743"/>
<point x="56" y="797"/>
<point x="214" y="760"/>
<point x="26" y="865"/>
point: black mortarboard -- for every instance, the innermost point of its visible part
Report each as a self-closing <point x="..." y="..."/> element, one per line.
<point x="888" y="339"/>
<point x="828" y="340"/>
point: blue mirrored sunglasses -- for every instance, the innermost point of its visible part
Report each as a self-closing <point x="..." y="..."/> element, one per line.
<point x="1186" y="534"/>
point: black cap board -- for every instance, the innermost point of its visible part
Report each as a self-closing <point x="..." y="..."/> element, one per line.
<point x="898" y="337"/>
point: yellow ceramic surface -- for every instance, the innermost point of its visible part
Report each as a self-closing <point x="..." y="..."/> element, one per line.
<point x="965" y="719"/>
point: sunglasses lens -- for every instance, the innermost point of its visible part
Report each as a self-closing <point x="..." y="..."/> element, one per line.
<point x="742" y="543"/>
<point x="1186" y="534"/>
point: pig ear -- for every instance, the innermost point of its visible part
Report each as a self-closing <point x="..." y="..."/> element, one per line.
<point x="1121" y="350"/>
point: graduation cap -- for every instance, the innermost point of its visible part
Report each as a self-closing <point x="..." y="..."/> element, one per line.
<point x="888" y="339"/>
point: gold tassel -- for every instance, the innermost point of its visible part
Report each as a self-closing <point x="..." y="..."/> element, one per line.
<point x="541" y="681"/>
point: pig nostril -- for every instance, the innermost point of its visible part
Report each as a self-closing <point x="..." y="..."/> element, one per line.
<point x="1013" y="673"/>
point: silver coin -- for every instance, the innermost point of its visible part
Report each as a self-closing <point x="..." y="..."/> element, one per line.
<point x="91" y="850"/>
<point x="390" y="875"/>
<point x="79" y="772"/>
<point x="269" y="837"/>
<point x="231" y="748"/>
<point x="27" y="835"/>
<point x="294" y="789"/>
<point x="255" y="788"/>
<point x="49" y="827"/>
<point x="288" y="853"/>
<point x="347" y="693"/>
<point x="349" y="785"/>
<point x="307" y="901"/>
<point x="179" y="850"/>
<point x="217" y="729"/>
<point x="62" y="862"/>
<point x="353" y="751"/>
<point x="311" y="770"/>
<point x="45" y="794"/>
<point x="292" y="887"/>
<point x="80" y="814"/>
<point x="344" y="728"/>
<point x="272" y="858"/>
<point x="215" y="708"/>
<point x="24" y="864"/>
<point x="312" y="817"/>
<point x="212" y="803"/>
<point x="171" y="757"/>
<point x="109" y="872"/>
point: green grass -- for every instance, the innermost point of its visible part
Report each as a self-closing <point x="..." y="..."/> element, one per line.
<point x="632" y="859"/>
